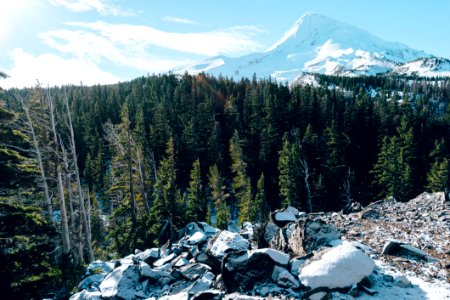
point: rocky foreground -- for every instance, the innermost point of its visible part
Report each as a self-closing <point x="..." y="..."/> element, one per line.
<point x="386" y="250"/>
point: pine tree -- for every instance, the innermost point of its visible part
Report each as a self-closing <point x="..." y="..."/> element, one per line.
<point x="219" y="197"/>
<point x="196" y="203"/>
<point x="241" y="182"/>
<point x="438" y="176"/>
<point x="393" y="172"/>
<point x="165" y="198"/>
<point x="284" y="179"/>
<point x="258" y="212"/>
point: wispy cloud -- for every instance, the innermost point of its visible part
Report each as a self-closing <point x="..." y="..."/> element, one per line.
<point x="178" y="20"/>
<point x="53" y="70"/>
<point x="103" y="7"/>
<point x="110" y="41"/>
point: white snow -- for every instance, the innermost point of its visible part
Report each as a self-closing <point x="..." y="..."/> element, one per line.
<point x="277" y="256"/>
<point x="318" y="44"/>
<point x="197" y="237"/>
<point x="418" y="289"/>
<point x="228" y="240"/>
<point x="340" y="267"/>
<point x="285" y="216"/>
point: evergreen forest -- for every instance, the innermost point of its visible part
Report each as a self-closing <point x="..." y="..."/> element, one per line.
<point x="95" y="172"/>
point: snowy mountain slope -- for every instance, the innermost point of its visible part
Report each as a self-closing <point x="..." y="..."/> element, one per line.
<point x="318" y="44"/>
<point x="428" y="67"/>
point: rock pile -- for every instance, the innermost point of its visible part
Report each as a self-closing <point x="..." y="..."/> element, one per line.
<point x="295" y="256"/>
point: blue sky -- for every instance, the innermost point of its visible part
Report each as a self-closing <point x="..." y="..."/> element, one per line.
<point x="105" y="41"/>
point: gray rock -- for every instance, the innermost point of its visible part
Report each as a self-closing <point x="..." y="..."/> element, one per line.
<point x="309" y="235"/>
<point x="284" y="216"/>
<point x="397" y="248"/>
<point x="203" y="284"/>
<point x="98" y="266"/>
<point x="194" y="271"/>
<point x="270" y="231"/>
<point x="122" y="283"/>
<point x="283" y="278"/>
<point x="164" y="260"/>
<point x="222" y="243"/>
<point x="149" y="255"/>
<point x="242" y="270"/>
<point x="85" y="295"/>
<point x="147" y="272"/>
<point x="296" y="264"/>
<point x="91" y="283"/>
<point x="208" y="295"/>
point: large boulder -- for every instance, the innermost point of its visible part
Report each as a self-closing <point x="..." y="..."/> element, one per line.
<point x="242" y="270"/>
<point x="340" y="267"/>
<point x="285" y="216"/>
<point x="122" y="283"/>
<point x="223" y="243"/>
<point x="308" y="235"/>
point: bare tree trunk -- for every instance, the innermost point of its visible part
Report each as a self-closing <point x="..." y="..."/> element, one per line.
<point x="80" y="191"/>
<point x="89" y="206"/>
<point x="80" y="238"/>
<point x="130" y="168"/>
<point x="48" y="200"/>
<point x="69" y="188"/>
<point x="142" y="179"/>
<point x="305" y="170"/>
<point x="62" y="202"/>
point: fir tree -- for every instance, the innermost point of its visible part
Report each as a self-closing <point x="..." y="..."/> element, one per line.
<point x="219" y="197"/>
<point x="438" y="177"/>
<point x="196" y="203"/>
<point x="241" y="182"/>
<point x="258" y="212"/>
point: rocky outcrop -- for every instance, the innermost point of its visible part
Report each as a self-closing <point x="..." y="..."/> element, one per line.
<point x="307" y="256"/>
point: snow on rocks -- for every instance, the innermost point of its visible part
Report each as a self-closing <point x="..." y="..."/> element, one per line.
<point x="225" y="242"/>
<point x="85" y="295"/>
<point x="147" y="272"/>
<point x="282" y="217"/>
<point x="277" y="256"/>
<point x="341" y="267"/>
<point x="316" y="255"/>
<point x="149" y="255"/>
<point x="123" y="283"/>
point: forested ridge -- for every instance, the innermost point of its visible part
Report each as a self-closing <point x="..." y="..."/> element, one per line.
<point x="160" y="151"/>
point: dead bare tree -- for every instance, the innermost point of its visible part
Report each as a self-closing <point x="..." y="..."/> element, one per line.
<point x="37" y="151"/>
<point x="65" y="234"/>
<point x="78" y="182"/>
<point x="305" y="170"/>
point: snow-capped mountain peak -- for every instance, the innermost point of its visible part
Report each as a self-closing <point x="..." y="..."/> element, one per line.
<point x="319" y="44"/>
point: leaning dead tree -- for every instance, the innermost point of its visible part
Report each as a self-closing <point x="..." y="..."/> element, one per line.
<point x="84" y="218"/>
<point x="37" y="151"/>
<point x="65" y="234"/>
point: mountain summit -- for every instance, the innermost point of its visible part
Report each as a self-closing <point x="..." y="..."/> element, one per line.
<point x="319" y="44"/>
